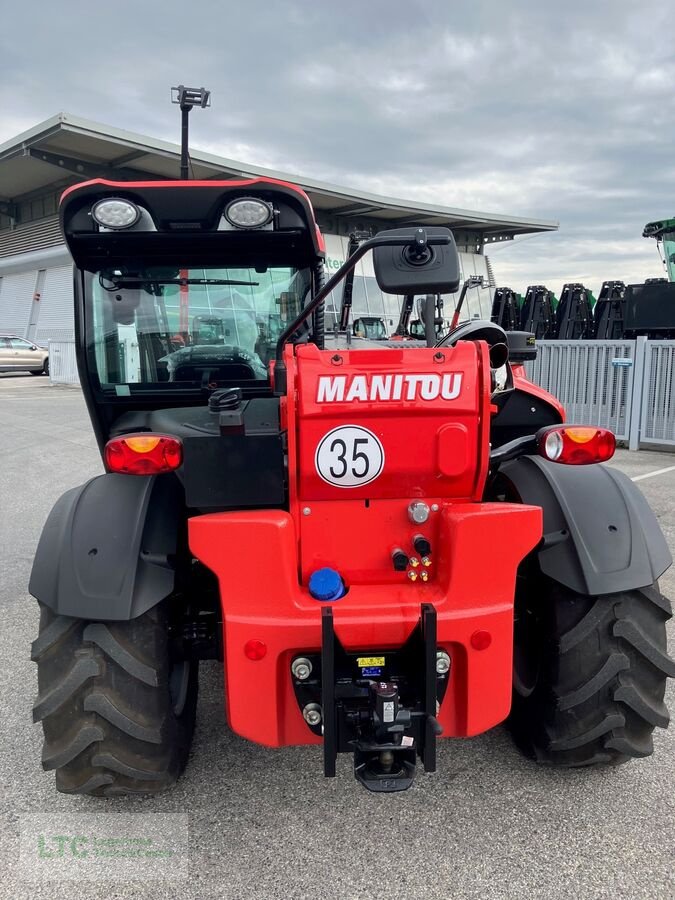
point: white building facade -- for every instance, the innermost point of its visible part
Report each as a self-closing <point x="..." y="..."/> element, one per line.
<point x="36" y="295"/>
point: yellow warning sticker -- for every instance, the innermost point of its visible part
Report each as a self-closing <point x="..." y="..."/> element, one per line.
<point x="365" y="661"/>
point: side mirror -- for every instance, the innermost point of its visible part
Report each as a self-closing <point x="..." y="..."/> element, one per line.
<point x="405" y="270"/>
<point x="33" y="347"/>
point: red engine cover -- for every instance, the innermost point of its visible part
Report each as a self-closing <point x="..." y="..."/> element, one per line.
<point x="392" y="423"/>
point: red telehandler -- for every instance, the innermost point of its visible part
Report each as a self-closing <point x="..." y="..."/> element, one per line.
<point x="384" y="543"/>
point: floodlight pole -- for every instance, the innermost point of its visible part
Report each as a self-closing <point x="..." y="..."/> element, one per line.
<point x="184" y="133"/>
<point x="187" y="98"/>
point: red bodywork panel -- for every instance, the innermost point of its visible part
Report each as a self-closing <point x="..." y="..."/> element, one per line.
<point x="480" y="546"/>
<point x="446" y="458"/>
<point x="242" y="182"/>
<point x="429" y="411"/>
<point x="443" y="453"/>
<point x="523" y="383"/>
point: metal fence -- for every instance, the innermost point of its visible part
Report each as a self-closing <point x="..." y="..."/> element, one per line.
<point x="628" y="386"/>
<point x="62" y="363"/>
<point x="657" y="418"/>
<point x="592" y="379"/>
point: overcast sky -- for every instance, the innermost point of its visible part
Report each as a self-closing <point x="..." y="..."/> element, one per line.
<point x="561" y="111"/>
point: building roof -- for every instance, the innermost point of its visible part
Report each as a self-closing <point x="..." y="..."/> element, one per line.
<point x="68" y="147"/>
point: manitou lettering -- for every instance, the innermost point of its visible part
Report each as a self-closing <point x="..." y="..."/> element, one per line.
<point x="374" y="388"/>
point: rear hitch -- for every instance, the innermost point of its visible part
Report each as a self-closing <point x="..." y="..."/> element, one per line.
<point x="385" y="767"/>
<point x="389" y="722"/>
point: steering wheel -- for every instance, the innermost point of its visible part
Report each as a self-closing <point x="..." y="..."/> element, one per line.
<point x="480" y="330"/>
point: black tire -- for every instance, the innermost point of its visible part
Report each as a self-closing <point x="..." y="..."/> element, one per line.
<point x="118" y="716"/>
<point x="43" y="371"/>
<point x="589" y="673"/>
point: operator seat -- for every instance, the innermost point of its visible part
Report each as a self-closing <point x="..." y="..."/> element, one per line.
<point x="224" y="362"/>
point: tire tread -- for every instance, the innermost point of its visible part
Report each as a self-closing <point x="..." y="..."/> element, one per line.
<point x="105" y="705"/>
<point x="600" y="692"/>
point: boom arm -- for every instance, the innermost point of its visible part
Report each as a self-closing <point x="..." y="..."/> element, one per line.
<point x="355" y="240"/>
<point x="404" y="318"/>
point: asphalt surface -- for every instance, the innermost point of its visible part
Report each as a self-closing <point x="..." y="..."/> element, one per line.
<point x="263" y="823"/>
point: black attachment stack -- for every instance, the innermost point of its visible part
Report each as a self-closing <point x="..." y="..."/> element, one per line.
<point x="505" y="309"/>
<point x="537" y="314"/>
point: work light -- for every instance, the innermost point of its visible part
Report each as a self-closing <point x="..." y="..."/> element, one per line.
<point x="116" y="213"/>
<point x="248" y="212"/>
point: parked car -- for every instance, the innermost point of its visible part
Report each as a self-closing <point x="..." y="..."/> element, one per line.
<point x="18" y="354"/>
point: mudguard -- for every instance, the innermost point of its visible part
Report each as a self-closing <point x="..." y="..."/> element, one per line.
<point x="600" y="535"/>
<point x="108" y="548"/>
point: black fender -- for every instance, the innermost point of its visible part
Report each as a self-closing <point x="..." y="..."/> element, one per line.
<point x="600" y="535"/>
<point x="108" y="549"/>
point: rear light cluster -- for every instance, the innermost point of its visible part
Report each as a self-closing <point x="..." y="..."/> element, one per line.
<point x="143" y="454"/>
<point x="576" y="445"/>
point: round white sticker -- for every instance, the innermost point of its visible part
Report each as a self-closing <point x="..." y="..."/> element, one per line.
<point x="349" y="456"/>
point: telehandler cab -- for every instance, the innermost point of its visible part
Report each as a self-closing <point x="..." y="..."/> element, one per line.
<point x="384" y="543"/>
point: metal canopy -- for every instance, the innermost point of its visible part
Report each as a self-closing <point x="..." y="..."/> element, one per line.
<point x="65" y="149"/>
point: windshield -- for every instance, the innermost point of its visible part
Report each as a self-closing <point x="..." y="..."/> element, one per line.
<point x="189" y="327"/>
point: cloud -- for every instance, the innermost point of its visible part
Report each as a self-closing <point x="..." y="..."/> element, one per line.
<point x="539" y="110"/>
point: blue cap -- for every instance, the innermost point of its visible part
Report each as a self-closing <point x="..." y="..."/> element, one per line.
<point x="326" y="584"/>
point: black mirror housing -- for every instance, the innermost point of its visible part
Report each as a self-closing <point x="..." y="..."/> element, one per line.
<point x="402" y="270"/>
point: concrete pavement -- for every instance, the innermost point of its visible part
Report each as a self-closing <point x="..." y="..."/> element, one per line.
<point x="264" y="823"/>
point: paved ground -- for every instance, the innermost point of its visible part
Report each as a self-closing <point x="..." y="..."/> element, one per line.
<point x="265" y="823"/>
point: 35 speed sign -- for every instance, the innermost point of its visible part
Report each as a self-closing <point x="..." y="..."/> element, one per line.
<point x="349" y="456"/>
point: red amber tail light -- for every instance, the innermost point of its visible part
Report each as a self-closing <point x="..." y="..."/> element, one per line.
<point x="143" y="454"/>
<point x="576" y="445"/>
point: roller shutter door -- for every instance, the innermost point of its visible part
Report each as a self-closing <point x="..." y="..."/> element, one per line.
<point x="16" y="297"/>
<point x="56" y="318"/>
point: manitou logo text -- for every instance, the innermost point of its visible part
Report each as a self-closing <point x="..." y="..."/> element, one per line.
<point x="373" y="388"/>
